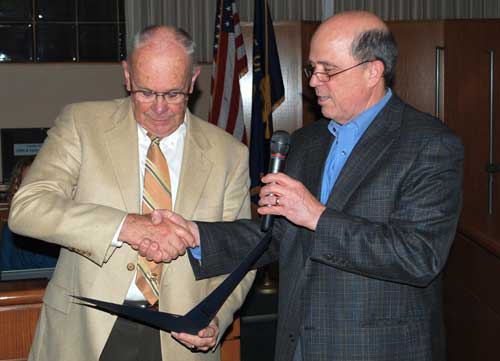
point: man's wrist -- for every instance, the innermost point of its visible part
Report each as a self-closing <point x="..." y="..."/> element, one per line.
<point x="128" y="233"/>
<point x="319" y="212"/>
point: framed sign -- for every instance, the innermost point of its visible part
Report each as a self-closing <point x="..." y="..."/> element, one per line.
<point x="18" y="143"/>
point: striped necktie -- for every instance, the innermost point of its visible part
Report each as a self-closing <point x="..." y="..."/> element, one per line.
<point x="157" y="195"/>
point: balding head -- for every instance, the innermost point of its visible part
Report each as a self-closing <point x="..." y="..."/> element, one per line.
<point x="161" y="38"/>
<point x="352" y="23"/>
<point x="365" y="35"/>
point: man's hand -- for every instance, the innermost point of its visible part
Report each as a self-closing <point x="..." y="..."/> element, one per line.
<point x="158" y="215"/>
<point x="166" y="239"/>
<point x="203" y="341"/>
<point x="287" y="197"/>
<point x="150" y="249"/>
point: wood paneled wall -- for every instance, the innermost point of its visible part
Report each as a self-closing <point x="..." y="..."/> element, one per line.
<point x="472" y="302"/>
<point x="20" y="304"/>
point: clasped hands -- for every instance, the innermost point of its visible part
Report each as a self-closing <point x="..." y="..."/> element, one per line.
<point x="156" y="236"/>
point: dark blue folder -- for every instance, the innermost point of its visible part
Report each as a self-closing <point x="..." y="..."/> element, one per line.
<point x="201" y="315"/>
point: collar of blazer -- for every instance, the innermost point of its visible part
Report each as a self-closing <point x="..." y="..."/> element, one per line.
<point x="196" y="166"/>
<point x="124" y="158"/>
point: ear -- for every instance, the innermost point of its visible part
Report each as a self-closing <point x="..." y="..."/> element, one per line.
<point x="196" y="73"/>
<point x="126" y="74"/>
<point x="375" y="72"/>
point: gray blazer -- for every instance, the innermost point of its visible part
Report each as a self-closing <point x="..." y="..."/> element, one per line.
<point x="366" y="285"/>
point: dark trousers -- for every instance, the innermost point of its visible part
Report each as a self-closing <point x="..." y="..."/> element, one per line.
<point x="132" y="341"/>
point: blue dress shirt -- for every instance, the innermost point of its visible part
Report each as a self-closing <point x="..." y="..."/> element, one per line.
<point x="346" y="138"/>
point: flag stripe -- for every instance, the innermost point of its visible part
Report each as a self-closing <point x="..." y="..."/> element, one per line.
<point x="219" y="82"/>
<point x="234" y="107"/>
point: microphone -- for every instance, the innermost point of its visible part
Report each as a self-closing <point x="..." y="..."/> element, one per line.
<point x="280" y="144"/>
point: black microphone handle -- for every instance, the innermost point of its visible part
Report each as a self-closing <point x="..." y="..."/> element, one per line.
<point x="266" y="222"/>
<point x="276" y="165"/>
<point x="279" y="146"/>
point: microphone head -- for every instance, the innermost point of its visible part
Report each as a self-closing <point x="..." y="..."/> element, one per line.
<point x="280" y="143"/>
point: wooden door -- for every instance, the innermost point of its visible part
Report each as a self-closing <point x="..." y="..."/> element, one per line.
<point x="467" y="106"/>
<point x="420" y="69"/>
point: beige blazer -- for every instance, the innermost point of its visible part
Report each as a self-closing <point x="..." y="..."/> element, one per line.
<point x="83" y="182"/>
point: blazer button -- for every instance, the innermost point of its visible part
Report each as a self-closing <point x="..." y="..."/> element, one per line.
<point x="328" y="256"/>
<point x="130" y="266"/>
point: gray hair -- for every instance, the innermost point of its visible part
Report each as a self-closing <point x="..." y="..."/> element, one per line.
<point x="180" y="35"/>
<point x="377" y="45"/>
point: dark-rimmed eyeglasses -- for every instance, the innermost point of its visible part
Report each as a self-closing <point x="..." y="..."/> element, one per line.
<point x="325" y="76"/>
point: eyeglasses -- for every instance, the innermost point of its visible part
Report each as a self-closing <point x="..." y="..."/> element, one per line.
<point x="324" y="76"/>
<point x="149" y="96"/>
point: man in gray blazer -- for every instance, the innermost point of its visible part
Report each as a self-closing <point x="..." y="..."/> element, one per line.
<point x="369" y="204"/>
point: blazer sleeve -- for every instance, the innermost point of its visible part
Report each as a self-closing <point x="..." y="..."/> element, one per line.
<point x="47" y="195"/>
<point x="413" y="245"/>
<point x="236" y="206"/>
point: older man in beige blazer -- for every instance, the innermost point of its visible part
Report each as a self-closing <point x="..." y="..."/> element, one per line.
<point x="84" y="193"/>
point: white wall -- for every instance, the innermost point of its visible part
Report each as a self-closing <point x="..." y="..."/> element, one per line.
<point x="31" y="95"/>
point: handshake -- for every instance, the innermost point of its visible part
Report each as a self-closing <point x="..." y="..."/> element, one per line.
<point x="161" y="236"/>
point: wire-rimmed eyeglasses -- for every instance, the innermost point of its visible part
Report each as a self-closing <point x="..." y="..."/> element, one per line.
<point x="325" y="76"/>
<point x="149" y="96"/>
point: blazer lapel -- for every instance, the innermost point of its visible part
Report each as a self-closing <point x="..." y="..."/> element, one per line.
<point x="370" y="148"/>
<point x="195" y="169"/>
<point x="121" y="140"/>
<point x="313" y="167"/>
<point x="308" y="166"/>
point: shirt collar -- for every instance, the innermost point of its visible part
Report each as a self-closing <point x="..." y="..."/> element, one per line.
<point x="180" y="132"/>
<point x="360" y="123"/>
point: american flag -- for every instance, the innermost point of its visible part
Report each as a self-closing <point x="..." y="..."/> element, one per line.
<point x="230" y="63"/>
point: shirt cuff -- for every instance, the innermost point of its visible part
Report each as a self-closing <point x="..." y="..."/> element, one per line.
<point x="116" y="242"/>
<point x="196" y="252"/>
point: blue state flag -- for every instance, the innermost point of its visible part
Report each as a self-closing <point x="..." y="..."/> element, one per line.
<point x="268" y="91"/>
